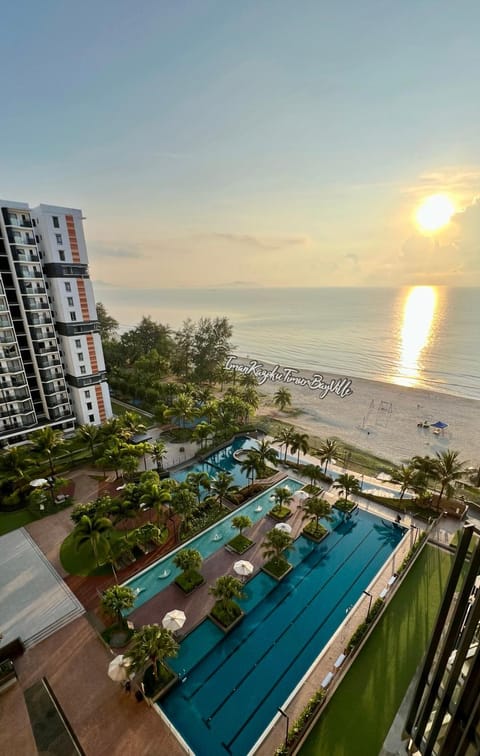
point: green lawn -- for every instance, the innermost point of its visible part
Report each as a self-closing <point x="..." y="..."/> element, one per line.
<point x="359" y="716"/>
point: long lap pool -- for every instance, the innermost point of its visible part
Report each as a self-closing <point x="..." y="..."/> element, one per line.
<point x="233" y="685"/>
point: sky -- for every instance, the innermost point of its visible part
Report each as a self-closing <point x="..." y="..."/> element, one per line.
<point x="213" y="143"/>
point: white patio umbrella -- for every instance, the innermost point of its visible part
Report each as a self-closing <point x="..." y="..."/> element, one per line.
<point x="39" y="482"/>
<point x="242" y="567"/>
<point x="284" y="526"/>
<point x="302" y="494"/>
<point x="118" y="669"/>
<point x="174" y="620"/>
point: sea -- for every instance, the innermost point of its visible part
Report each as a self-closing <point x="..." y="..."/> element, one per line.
<point x="421" y="336"/>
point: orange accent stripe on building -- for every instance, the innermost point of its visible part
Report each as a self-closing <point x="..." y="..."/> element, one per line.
<point x="82" y="295"/>
<point x="100" y="403"/>
<point x="92" y="353"/>
<point x="72" y="238"/>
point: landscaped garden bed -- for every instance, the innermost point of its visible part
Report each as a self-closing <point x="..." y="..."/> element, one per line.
<point x="277" y="568"/>
<point x="188" y="581"/>
<point x="226" y="619"/>
<point x="157" y="687"/>
<point x="239" y="545"/>
<point x="345" y="506"/>
<point x="280" y="513"/>
<point x="315" y="533"/>
<point x="117" y="635"/>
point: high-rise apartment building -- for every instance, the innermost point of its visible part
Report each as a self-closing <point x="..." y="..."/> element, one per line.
<point x="52" y="370"/>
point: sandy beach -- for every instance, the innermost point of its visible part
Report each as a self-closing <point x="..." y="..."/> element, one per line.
<point x="380" y="417"/>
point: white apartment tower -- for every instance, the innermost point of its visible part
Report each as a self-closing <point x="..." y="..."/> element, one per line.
<point x="52" y="370"/>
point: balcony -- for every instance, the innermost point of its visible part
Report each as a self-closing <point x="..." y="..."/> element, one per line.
<point x="38" y="320"/>
<point x="13" y="395"/>
<point x="32" y="289"/>
<point x="13" y="381"/>
<point x="18" y="221"/>
<point x="31" y="303"/>
<point x="24" y="255"/>
<point x="48" y="362"/>
<point x="57" y="400"/>
<point x="5" y="323"/>
<point x="15" y="366"/>
<point x="52" y="375"/>
<point x="7" y="337"/>
<point x="33" y="272"/>
<point x="20" y="237"/>
<point x="17" y="408"/>
<point x="45" y="349"/>
<point x="41" y="334"/>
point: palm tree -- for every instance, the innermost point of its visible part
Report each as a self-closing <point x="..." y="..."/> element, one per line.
<point x="131" y="425"/>
<point x="348" y="484"/>
<point x="15" y="462"/>
<point x="158" y="453"/>
<point x="285" y="438"/>
<point x="266" y="453"/>
<point x="148" y="533"/>
<point x="116" y="600"/>
<point x="223" y="485"/>
<point x="250" y="396"/>
<point x="275" y="543"/>
<point x="47" y="441"/>
<point x="425" y="471"/>
<point x="182" y="408"/>
<point x="282" y="496"/>
<point x="112" y="458"/>
<point x="299" y="444"/>
<point x="188" y="561"/>
<point x="226" y="588"/>
<point x="282" y="398"/>
<point x="406" y="476"/>
<point x="316" y="509"/>
<point x="124" y="509"/>
<point x="183" y="502"/>
<point x="93" y="531"/>
<point x="328" y="450"/>
<point x="89" y="433"/>
<point x="153" y="644"/>
<point x="448" y="469"/>
<point x="313" y="473"/>
<point x="249" y="465"/>
<point x="240" y="522"/>
<point x="201" y="432"/>
<point x="197" y="481"/>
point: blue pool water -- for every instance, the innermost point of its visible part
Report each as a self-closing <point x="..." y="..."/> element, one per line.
<point x="150" y="582"/>
<point x="221" y="460"/>
<point x="234" y="684"/>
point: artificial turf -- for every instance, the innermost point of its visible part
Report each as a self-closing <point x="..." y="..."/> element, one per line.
<point x="358" y="718"/>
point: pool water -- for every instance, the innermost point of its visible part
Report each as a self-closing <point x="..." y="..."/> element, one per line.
<point x="155" y="578"/>
<point x="221" y="460"/>
<point x="233" y="685"/>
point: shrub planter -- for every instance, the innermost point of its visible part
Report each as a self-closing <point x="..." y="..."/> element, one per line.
<point x="221" y="619"/>
<point x="280" y="514"/>
<point x="239" y="545"/>
<point x="117" y="636"/>
<point x="344" y="506"/>
<point x="188" y="581"/>
<point x="315" y="534"/>
<point x="156" y="689"/>
<point x="277" y="568"/>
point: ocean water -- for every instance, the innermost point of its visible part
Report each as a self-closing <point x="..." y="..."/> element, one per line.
<point x="423" y="336"/>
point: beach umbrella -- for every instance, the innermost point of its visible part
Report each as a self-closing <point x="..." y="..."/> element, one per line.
<point x="118" y="669"/>
<point x="39" y="482"/>
<point x="439" y="424"/>
<point x="174" y="620"/>
<point x="302" y="495"/>
<point x="284" y="526"/>
<point x="242" y="567"/>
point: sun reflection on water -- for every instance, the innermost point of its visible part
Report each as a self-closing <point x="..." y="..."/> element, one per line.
<point x="416" y="333"/>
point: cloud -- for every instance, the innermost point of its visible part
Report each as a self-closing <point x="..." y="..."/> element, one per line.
<point x="461" y="181"/>
<point x="259" y="242"/>
<point x="120" y="253"/>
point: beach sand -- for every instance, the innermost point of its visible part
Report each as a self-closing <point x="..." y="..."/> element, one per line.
<point x="382" y="417"/>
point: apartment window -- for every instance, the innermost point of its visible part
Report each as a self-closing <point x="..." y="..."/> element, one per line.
<point x="83" y="369"/>
<point x="87" y="394"/>
<point x="78" y="344"/>
<point x="73" y="316"/>
<point x="89" y="406"/>
<point x="56" y="224"/>
<point x="91" y="418"/>
<point x="36" y="238"/>
<point x="70" y="301"/>
<point x="34" y="222"/>
<point x="68" y="286"/>
<point x="61" y="255"/>
<point x="80" y="356"/>
<point x="58" y="237"/>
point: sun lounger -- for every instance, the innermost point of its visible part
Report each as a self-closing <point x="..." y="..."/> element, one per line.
<point x="327" y="680"/>
<point x="392" y="580"/>
<point x="340" y="661"/>
<point x="384" y="593"/>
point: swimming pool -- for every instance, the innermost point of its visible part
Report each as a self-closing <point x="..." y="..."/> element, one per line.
<point x="234" y="684"/>
<point x="152" y="580"/>
<point x="221" y="460"/>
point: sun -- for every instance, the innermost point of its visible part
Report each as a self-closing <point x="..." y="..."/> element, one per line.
<point x="435" y="212"/>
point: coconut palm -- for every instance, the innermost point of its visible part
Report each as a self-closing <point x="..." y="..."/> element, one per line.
<point x="153" y="644"/>
<point x="316" y="509"/>
<point x="131" y="425"/>
<point x="188" y="561"/>
<point x="182" y="408"/>
<point x="116" y="600"/>
<point x="448" y="469"/>
<point x="201" y="433"/>
<point x="15" y="462"/>
<point x="249" y="464"/>
<point x="223" y="485"/>
<point x="240" y="522"/>
<point x="197" y="481"/>
<point x="158" y="454"/>
<point x="47" y="441"/>
<point x="282" y="496"/>
<point x="147" y="533"/>
<point x="282" y="398"/>
<point x="275" y="543"/>
<point x="226" y="589"/>
<point x="313" y="473"/>
<point x="348" y="484"/>
<point x="183" y="503"/>
<point x="285" y="438"/>
<point x="250" y="396"/>
<point x="266" y="453"/>
<point x="328" y="450"/>
<point x="89" y="433"/>
<point x="94" y="531"/>
<point x="299" y="443"/>
<point x="406" y="476"/>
